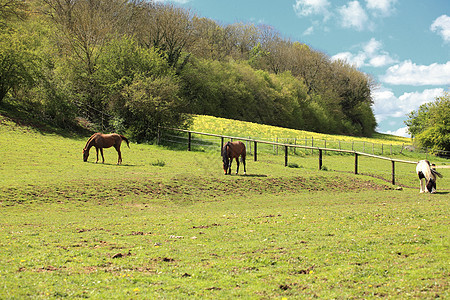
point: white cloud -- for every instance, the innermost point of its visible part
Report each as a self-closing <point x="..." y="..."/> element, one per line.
<point x="400" y="132"/>
<point x="442" y="26"/>
<point x="352" y="59"/>
<point x="309" y="31"/>
<point x="353" y="16"/>
<point x="312" y="7"/>
<point x="381" y="7"/>
<point x="371" y="55"/>
<point x="387" y="105"/>
<point x="408" y="73"/>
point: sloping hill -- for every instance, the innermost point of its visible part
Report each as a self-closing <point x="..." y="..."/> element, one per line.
<point x="223" y="126"/>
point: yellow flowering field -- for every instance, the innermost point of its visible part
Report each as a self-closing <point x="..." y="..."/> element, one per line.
<point x="230" y="127"/>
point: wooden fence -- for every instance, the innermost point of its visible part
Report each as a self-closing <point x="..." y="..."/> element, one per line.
<point x="287" y="146"/>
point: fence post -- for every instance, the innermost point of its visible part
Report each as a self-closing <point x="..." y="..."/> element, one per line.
<point x="320" y="159"/>
<point x="393" y="172"/>
<point x="285" y="156"/>
<point x="295" y="143"/>
<point x="189" y="140"/>
<point x="255" y="149"/>
<point x="356" y="163"/>
<point x="221" y="143"/>
<point x="277" y="145"/>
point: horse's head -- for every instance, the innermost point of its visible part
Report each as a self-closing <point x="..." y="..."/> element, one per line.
<point x="85" y="154"/>
<point x="226" y="163"/>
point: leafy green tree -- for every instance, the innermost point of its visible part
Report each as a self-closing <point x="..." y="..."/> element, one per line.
<point x="153" y="102"/>
<point x="140" y="88"/>
<point x="430" y="124"/>
<point x="17" y="64"/>
<point x="11" y="10"/>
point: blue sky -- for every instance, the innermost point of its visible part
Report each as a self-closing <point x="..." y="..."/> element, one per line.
<point x="403" y="44"/>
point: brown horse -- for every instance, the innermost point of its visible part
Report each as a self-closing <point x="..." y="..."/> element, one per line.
<point x="233" y="150"/>
<point x="100" y="141"/>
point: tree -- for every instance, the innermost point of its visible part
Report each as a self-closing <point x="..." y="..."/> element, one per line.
<point x="17" y="66"/>
<point x="153" y="102"/>
<point x="430" y="124"/>
<point x="166" y="27"/>
<point x="11" y="10"/>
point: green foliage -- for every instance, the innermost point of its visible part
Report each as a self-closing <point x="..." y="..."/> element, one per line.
<point x="430" y="124"/>
<point x="17" y="63"/>
<point x="152" y="102"/>
<point x="94" y="60"/>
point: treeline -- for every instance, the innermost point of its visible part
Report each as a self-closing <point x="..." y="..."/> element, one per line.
<point x="131" y="65"/>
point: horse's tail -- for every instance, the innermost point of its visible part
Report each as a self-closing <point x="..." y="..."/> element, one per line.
<point x="244" y="153"/>
<point x="225" y="150"/>
<point x="434" y="172"/>
<point x="126" y="140"/>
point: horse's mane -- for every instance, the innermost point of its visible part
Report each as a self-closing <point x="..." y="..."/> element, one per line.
<point x="126" y="140"/>
<point x="90" y="139"/>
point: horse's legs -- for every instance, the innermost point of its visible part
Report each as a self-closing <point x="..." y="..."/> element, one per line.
<point x="96" y="149"/>
<point x="243" y="162"/>
<point x="229" y="167"/>
<point x="421" y="185"/>
<point x="103" y="158"/>
<point x="119" y="161"/>
<point x="237" y="163"/>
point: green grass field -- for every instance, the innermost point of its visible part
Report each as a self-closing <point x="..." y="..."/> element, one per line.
<point x="168" y="224"/>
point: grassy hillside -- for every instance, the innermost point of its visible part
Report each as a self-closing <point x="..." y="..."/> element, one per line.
<point x="238" y="128"/>
<point x="169" y="224"/>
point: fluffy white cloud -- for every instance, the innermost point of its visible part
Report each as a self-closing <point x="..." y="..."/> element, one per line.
<point x="409" y="73"/>
<point x="353" y="16"/>
<point x="400" y="132"/>
<point x="387" y="105"/>
<point x="442" y="26"/>
<point x="381" y="7"/>
<point x="312" y="7"/>
<point x="371" y="55"/>
<point x="309" y="30"/>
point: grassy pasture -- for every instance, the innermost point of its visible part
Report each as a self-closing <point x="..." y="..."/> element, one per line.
<point x="169" y="224"/>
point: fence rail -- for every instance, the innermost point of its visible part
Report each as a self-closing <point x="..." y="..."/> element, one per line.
<point x="286" y="147"/>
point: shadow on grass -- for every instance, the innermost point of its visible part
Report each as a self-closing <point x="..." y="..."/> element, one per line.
<point x="112" y="164"/>
<point x="248" y="175"/>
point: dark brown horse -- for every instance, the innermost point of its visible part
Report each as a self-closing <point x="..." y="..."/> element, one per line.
<point x="100" y="141"/>
<point x="232" y="150"/>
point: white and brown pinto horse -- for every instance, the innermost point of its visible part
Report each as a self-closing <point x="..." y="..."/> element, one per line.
<point x="427" y="176"/>
<point x="100" y="141"/>
<point x="232" y="150"/>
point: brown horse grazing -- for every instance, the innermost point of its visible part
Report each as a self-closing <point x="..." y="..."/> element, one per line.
<point x="100" y="141"/>
<point x="233" y="150"/>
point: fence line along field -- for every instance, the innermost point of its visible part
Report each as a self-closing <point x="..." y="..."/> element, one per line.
<point x="380" y="143"/>
<point x="168" y="224"/>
